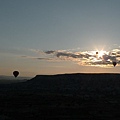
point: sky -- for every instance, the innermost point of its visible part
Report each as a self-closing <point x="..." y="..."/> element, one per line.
<point x="59" y="36"/>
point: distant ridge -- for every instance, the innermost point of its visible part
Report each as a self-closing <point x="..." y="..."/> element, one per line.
<point x="76" y="82"/>
<point x="80" y="75"/>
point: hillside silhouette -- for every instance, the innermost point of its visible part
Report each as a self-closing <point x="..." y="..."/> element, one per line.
<point x="63" y="96"/>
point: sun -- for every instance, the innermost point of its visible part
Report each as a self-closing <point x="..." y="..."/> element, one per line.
<point x="100" y="53"/>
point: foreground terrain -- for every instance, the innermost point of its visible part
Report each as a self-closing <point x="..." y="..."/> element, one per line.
<point x="62" y="97"/>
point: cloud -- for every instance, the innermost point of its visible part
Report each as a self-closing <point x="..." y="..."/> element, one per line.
<point x="49" y="52"/>
<point x="39" y="58"/>
<point x="83" y="58"/>
<point x="104" y="58"/>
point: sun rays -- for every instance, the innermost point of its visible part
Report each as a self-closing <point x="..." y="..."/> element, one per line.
<point x="100" y="53"/>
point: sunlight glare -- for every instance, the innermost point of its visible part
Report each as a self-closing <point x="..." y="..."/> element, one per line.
<point x="101" y="53"/>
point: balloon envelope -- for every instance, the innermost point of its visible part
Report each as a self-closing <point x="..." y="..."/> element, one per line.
<point x="15" y="73"/>
<point x="114" y="63"/>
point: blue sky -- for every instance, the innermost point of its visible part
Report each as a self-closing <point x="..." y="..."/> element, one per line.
<point x="30" y="29"/>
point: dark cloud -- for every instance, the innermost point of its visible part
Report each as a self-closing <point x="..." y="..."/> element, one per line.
<point x="74" y="55"/>
<point x="59" y="54"/>
<point x="108" y="57"/>
<point x="49" y="52"/>
<point x="41" y="58"/>
<point x="38" y="58"/>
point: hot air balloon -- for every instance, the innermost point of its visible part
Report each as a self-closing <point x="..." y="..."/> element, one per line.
<point x="15" y="73"/>
<point x="114" y="63"/>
